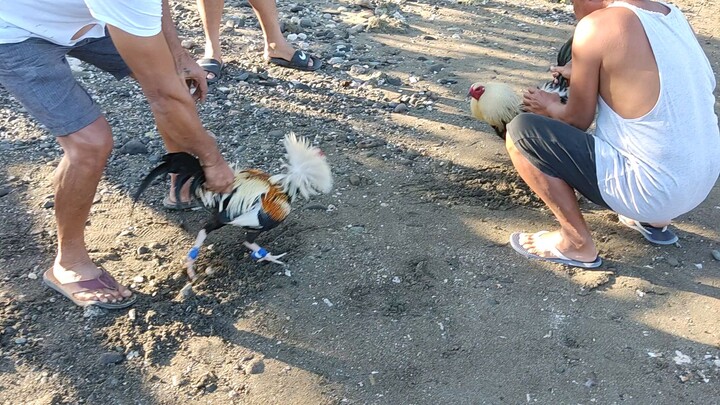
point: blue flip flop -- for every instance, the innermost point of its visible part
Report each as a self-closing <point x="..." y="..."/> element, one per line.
<point x="653" y="234"/>
<point x="558" y="257"/>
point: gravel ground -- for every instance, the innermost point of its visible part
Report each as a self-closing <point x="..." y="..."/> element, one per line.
<point x="400" y="287"/>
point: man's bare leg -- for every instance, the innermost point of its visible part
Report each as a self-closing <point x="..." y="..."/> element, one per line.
<point x="211" y="15"/>
<point x="573" y="239"/>
<point x="184" y="191"/>
<point x="76" y="179"/>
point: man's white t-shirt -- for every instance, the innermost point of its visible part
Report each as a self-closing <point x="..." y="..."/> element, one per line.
<point x="58" y="21"/>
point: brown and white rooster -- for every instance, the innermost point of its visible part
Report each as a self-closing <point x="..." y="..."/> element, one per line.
<point x="497" y="103"/>
<point x="258" y="201"/>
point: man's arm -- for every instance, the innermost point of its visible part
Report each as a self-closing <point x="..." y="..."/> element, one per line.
<point x="587" y="54"/>
<point x="184" y="62"/>
<point x="152" y="64"/>
<point x="580" y="109"/>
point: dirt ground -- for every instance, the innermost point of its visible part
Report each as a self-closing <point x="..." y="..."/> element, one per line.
<point x="400" y="287"/>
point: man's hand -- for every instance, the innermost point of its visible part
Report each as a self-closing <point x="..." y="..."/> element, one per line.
<point x="194" y="75"/>
<point x="564" y="71"/>
<point x="219" y="177"/>
<point x="539" y="102"/>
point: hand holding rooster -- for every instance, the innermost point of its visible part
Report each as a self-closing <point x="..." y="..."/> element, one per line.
<point x="560" y="72"/>
<point x="219" y="177"/>
<point x="541" y="102"/>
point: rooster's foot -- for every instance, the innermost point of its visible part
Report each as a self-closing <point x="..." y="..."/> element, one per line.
<point x="262" y="255"/>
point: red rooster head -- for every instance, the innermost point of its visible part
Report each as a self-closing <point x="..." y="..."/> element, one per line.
<point x="476" y="91"/>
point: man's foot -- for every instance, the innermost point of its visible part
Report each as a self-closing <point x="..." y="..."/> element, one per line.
<point x="658" y="234"/>
<point x="550" y="246"/>
<point x="287" y="56"/>
<point x="213" y="67"/>
<point x="183" y="200"/>
<point x="89" y="285"/>
<point x="170" y="203"/>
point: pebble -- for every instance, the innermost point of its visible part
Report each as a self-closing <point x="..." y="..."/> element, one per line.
<point x="358" y="69"/>
<point x="92" y="311"/>
<point x="20" y="341"/>
<point x="393" y="81"/>
<point x="673" y="261"/>
<point x="306" y="22"/>
<point x="132" y="314"/>
<point x="716" y="254"/>
<point x="187" y="44"/>
<point x="400" y="108"/>
<point x="4" y="191"/>
<point x="292" y="37"/>
<point x="134" y="147"/>
<point x="356" y="29"/>
<point x="32" y="276"/>
<point x="354" y="180"/>
<point x="48" y="204"/>
<point x="111" y="358"/>
<point x="336" y="60"/>
<point x="255" y="366"/>
<point x="138" y="279"/>
<point x="186" y="291"/>
<point x="143" y="250"/>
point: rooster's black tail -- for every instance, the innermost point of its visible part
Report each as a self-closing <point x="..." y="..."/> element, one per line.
<point x="184" y="165"/>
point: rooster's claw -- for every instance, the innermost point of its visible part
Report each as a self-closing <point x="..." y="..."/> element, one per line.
<point x="262" y="255"/>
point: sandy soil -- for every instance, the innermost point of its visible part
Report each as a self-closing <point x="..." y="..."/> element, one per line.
<point x="400" y="287"/>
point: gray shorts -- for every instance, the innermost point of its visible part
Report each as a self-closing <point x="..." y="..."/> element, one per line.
<point x="558" y="150"/>
<point x="37" y="74"/>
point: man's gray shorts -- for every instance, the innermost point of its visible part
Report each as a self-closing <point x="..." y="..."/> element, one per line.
<point x="37" y="74"/>
<point x="558" y="150"/>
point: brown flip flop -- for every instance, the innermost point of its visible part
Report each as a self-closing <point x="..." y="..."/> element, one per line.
<point x="103" y="281"/>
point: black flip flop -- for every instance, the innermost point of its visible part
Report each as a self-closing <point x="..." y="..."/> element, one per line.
<point x="300" y="61"/>
<point x="213" y="66"/>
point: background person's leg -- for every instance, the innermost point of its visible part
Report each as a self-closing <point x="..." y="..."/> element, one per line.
<point x="211" y="15"/>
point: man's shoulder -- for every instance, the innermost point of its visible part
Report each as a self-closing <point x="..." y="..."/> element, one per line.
<point x="609" y="17"/>
<point x="607" y="24"/>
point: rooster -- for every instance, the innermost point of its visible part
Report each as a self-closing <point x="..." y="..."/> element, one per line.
<point x="258" y="202"/>
<point x="497" y="103"/>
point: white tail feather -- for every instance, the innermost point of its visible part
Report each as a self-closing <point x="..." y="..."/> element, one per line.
<point x="306" y="169"/>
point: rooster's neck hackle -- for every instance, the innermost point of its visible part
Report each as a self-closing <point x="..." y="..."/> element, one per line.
<point x="498" y="105"/>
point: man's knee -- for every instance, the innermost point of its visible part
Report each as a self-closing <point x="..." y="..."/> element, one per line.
<point x="90" y="145"/>
<point x="521" y="124"/>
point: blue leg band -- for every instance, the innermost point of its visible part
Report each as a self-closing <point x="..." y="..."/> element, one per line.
<point x="259" y="254"/>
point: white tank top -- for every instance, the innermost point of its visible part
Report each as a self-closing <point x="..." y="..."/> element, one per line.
<point x="663" y="164"/>
<point x="58" y="21"/>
